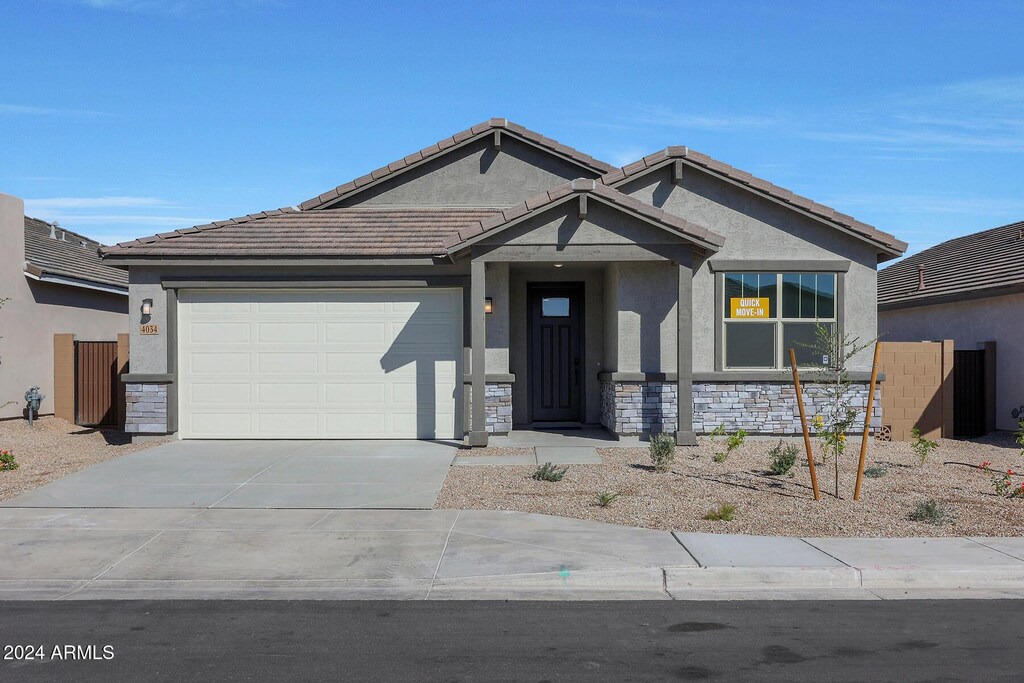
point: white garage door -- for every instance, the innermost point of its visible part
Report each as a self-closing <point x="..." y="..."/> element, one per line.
<point x="319" y="364"/>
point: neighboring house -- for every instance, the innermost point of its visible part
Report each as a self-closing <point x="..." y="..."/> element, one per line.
<point x="54" y="282"/>
<point x="497" y="263"/>
<point x="971" y="290"/>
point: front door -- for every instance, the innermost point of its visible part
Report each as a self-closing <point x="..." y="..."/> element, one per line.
<point x="556" y="351"/>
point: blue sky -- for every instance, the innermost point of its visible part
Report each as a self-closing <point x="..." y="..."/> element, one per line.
<point x="123" y="118"/>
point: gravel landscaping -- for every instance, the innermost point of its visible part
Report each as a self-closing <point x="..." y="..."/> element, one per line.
<point x="55" y="448"/>
<point x="765" y="504"/>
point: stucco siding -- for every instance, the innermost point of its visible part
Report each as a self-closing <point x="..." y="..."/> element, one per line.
<point x="645" y="299"/>
<point x="475" y="175"/>
<point x="35" y="311"/>
<point x="496" y="286"/>
<point x="756" y="228"/>
<point x="969" y="324"/>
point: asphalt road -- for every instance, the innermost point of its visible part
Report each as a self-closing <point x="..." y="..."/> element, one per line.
<point x="519" y="641"/>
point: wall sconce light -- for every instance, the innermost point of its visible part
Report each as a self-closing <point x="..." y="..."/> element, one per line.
<point x="147" y="307"/>
<point x="488" y="305"/>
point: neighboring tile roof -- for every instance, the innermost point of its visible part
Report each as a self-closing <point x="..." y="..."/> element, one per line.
<point x="687" y="229"/>
<point x="438" y="148"/>
<point x="619" y="176"/>
<point x="984" y="262"/>
<point x="351" y="232"/>
<point x="68" y="257"/>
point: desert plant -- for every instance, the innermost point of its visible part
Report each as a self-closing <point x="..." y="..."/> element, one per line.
<point x="549" y="472"/>
<point x="606" y="498"/>
<point x="1002" y="482"/>
<point x="732" y="442"/>
<point x="782" y="458"/>
<point x="7" y="461"/>
<point x="921" y="446"/>
<point x="875" y="472"/>
<point x="725" y="512"/>
<point x="931" y="512"/>
<point x="663" y="451"/>
<point x="714" y="435"/>
<point x="1020" y="436"/>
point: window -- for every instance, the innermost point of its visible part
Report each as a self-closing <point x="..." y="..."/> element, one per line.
<point x="554" y="307"/>
<point x="766" y="314"/>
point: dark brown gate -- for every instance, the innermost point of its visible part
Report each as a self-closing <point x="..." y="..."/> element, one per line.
<point x="96" y="383"/>
<point x="968" y="393"/>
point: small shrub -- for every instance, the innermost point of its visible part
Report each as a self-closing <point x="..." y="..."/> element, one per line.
<point x="606" y="498"/>
<point x="732" y="442"/>
<point x="782" y="458"/>
<point x="663" y="451"/>
<point x="549" y="472"/>
<point x="1020" y="436"/>
<point x="725" y="512"/>
<point x="922" y="446"/>
<point x="1002" y="482"/>
<point x="931" y="512"/>
<point x="7" y="461"/>
<point x="875" y="472"/>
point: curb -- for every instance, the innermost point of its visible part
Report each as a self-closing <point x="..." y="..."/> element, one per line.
<point x="648" y="579"/>
<point x="809" y="578"/>
<point x="916" y="577"/>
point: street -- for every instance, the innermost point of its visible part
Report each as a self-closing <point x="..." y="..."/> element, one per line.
<point x="533" y="641"/>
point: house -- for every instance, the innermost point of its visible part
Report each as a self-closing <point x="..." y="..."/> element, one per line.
<point x="498" y="264"/>
<point x="970" y="290"/>
<point x="54" y="282"/>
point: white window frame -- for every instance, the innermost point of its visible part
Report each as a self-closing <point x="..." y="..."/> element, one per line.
<point x="779" y="321"/>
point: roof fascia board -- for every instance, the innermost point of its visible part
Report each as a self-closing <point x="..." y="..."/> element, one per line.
<point x="356" y="282"/>
<point x="835" y="226"/>
<point x="443" y="153"/>
<point x="285" y="262"/>
<point x="574" y="197"/>
<point x="953" y="297"/>
<point x="51" y="278"/>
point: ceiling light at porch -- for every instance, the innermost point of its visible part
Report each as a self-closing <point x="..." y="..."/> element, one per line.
<point x="558" y="265"/>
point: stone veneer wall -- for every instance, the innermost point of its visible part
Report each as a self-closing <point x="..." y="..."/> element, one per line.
<point x="758" y="407"/>
<point x="145" y="408"/>
<point x="498" y="408"/>
<point x="639" y="407"/>
<point x="770" y="407"/>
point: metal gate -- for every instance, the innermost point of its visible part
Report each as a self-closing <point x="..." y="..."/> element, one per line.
<point x="96" y="383"/>
<point x="968" y="393"/>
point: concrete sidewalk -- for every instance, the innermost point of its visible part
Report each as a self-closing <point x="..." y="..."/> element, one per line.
<point x="447" y="554"/>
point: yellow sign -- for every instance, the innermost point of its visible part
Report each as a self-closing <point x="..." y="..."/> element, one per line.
<point x="149" y="329"/>
<point x="749" y="308"/>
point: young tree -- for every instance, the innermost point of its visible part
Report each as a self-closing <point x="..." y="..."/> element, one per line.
<point x="838" y="415"/>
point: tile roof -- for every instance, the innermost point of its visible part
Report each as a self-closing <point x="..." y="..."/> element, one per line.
<point x="74" y="256"/>
<point x="440" y="147"/>
<point x="621" y="175"/>
<point x="984" y="262"/>
<point x="687" y="229"/>
<point x="348" y="232"/>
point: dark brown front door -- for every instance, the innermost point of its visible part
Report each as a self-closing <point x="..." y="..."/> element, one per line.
<point x="556" y="351"/>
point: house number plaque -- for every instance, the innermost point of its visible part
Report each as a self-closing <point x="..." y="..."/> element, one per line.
<point x="149" y="329"/>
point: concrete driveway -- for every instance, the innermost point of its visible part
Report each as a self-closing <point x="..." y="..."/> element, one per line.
<point x="257" y="474"/>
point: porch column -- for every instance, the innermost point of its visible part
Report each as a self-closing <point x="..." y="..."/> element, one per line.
<point x="684" y="357"/>
<point x="478" y="341"/>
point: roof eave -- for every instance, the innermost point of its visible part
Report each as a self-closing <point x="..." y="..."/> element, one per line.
<point x="36" y="273"/>
<point x="455" y="249"/>
<point x="669" y="156"/>
<point x="325" y="201"/>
